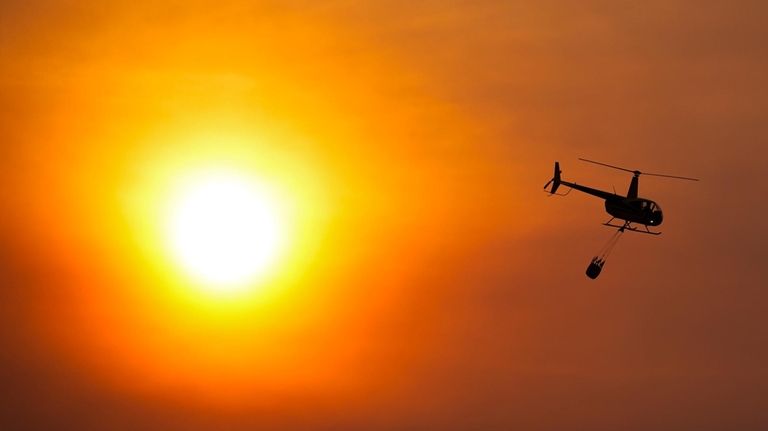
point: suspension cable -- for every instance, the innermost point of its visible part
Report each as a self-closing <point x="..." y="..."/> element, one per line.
<point x="612" y="244"/>
<point x="606" y="249"/>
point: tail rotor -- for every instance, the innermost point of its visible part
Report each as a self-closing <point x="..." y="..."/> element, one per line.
<point x="555" y="181"/>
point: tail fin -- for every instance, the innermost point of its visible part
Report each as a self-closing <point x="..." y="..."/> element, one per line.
<point x="555" y="181"/>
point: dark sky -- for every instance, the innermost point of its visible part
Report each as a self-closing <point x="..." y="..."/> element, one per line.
<point x="444" y="290"/>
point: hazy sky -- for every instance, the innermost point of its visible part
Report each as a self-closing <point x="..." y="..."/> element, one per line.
<point x="436" y="286"/>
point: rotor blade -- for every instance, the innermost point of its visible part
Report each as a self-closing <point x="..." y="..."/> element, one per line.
<point x="638" y="172"/>
<point x="607" y="165"/>
<point x="673" y="176"/>
<point x="548" y="183"/>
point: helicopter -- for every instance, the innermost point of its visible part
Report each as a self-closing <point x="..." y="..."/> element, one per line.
<point x="629" y="209"/>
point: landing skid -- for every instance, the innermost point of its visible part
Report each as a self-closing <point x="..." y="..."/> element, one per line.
<point x="628" y="226"/>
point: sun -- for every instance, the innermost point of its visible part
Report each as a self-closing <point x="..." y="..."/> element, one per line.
<point x="223" y="230"/>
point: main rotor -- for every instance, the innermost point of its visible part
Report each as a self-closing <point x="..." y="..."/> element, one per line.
<point x="637" y="173"/>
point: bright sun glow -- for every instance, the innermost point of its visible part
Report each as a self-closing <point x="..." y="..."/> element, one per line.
<point x="224" y="230"/>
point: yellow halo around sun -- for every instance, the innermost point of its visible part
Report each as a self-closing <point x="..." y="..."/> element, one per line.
<point x="224" y="230"/>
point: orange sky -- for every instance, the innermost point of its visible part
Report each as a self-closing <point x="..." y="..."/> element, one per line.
<point x="431" y="284"/>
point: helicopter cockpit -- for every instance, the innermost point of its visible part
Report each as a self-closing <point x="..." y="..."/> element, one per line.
<point x="654" y="211"/>
<point x="651" y="211"/>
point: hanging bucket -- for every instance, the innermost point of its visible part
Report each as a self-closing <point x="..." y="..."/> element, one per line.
<point x="594" y="268"/>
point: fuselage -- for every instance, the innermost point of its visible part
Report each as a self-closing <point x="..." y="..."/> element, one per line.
<point x="630" y="208"/>
<point x="637" y="210"/>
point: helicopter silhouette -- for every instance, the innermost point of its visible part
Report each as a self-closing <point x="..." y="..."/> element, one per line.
<point x="630" y="208"/>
